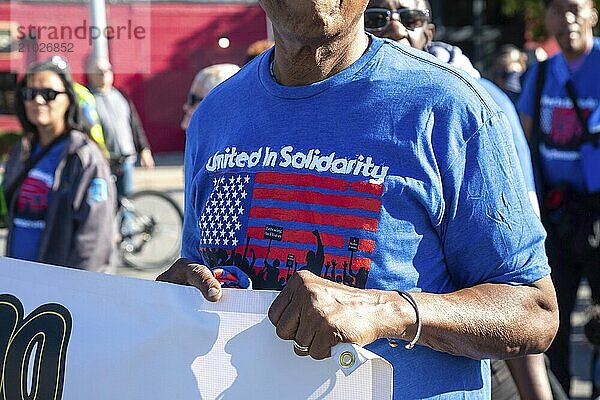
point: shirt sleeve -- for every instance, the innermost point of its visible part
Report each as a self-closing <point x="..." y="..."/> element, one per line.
<point x="490" y="232"/>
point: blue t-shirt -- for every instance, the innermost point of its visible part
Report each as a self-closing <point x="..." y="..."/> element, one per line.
<point x="32" y="202"/>
<point x="392" y="174"/>
<point x="559" y="151"/>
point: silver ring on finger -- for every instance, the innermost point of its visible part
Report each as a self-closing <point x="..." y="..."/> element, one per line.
<point x="300" y="348"/>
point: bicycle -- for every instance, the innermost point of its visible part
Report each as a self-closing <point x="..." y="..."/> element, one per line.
<point x="150" y="226"/>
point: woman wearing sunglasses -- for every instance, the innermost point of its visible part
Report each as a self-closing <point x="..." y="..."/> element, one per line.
<point x="60" y="195"/>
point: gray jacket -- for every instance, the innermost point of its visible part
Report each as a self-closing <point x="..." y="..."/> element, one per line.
<point x="80" y="231"/>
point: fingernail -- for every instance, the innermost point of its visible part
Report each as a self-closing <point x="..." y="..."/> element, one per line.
<point x="213" y="292"/>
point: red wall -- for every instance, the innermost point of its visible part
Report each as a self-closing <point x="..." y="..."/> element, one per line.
<point x="156" y="71"/>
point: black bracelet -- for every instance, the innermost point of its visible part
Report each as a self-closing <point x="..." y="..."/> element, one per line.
<point x="408" y="297"/>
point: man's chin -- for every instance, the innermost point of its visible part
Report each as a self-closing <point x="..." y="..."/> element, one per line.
<point x="571" y="43"/>
<point x="573" y="48"/>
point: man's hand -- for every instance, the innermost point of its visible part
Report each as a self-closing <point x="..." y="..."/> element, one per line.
<point x="318" y="314"/>
<point x="146" y="159"/>
<point x="185" y="272"/>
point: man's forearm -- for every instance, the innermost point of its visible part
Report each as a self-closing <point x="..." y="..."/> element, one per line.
<point x="486" y="321"/>
<point x="531" y="377"/>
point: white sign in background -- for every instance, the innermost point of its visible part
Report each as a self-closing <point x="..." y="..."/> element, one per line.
<point x="135" y="339"/>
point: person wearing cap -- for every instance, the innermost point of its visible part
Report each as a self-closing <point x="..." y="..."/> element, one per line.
<point x="124" y="135"/>
<point x="558" y="102"/>
<point x="377" y="188"/>
<point x="204" y="81"/>
<point x="60" y="192"/>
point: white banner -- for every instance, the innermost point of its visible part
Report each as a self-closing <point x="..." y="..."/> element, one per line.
<point x="77" y="335"/>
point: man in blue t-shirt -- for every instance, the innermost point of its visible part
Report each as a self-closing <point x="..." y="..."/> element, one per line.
<point x="567" y="162"/>
<point x="376" y="189"/>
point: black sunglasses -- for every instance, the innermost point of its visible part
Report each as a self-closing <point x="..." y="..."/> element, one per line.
<point x="377" y="19"/>
<point x="47" y="94"/>
<point x="193" y="99"/>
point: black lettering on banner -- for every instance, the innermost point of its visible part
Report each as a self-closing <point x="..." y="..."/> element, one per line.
<point x="273" y="232"/>
<point x="290" y="260"/>
<point x="353" y="244"/>
<point x="47" y="330"/>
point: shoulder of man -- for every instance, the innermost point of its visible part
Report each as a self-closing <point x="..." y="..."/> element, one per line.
<point x="433" y="80"/>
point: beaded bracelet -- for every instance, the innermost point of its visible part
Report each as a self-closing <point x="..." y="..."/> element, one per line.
<point x="408" y="297"/>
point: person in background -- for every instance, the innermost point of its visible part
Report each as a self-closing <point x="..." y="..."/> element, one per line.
<point x="87" y="105"/>
<point x="60" y="192"/>
<point x="204" y="82"/>
<point x="256" y="48"/>
<point x="124" y="135"/>
<point x="449" y="54"/>
<point x="557" y="100"/>
<point x="511" y="64"/>
<point x="421" y="36"/>
<point x="529" y="372"/>
<point x="346" y="143"/>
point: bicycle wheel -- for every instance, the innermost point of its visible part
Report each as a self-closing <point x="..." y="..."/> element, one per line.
<point x="151" y="226"/>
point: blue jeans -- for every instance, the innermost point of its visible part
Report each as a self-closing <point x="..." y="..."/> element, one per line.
<point x="123" y="173"/>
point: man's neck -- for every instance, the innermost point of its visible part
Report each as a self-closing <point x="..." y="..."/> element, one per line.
<point x="103" y="89"/>
<point x="298" y="64"/>
<point x="572" y="56"/>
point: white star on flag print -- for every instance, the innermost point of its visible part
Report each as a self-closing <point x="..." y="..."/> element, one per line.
<point x="220" y="222"/>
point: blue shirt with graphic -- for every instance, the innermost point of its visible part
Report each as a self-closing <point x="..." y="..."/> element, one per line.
<point x="559" y="151"/>
<point x="396" y="173"/>
<point x="32" y="202"/>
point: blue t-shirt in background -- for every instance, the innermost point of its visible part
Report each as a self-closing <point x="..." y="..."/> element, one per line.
<point x="396" y="173"/>
<point x="559" y="151"/>
<point x="32" y="202"/>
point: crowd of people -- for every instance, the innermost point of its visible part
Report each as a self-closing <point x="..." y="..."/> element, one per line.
<point x="472" y="245"/>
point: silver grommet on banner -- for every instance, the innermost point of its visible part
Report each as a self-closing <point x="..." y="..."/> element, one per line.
<point x="347" y="359"/>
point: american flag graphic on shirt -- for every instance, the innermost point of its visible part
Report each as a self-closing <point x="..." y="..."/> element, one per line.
<point x="272" y="224"/>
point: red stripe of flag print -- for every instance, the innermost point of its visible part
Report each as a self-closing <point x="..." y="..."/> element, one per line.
<point x="323" y="182"/>
<point x="318" y="218"/>
<point x="312" y="197"/>
<point x="290" y="221"/>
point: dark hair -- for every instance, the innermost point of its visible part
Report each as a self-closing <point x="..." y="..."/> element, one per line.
<point x="60" y="67"/>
